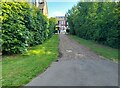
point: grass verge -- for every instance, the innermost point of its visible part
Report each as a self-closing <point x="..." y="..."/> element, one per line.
<point x="102" y="50"/>
<point x="20" y="69"/>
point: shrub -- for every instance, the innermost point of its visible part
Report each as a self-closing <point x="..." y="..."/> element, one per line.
<point x="14" y="31"/>
<point x="22" y="26"/>
<point x="52" y="27"/>
<point x="96" y="21"/>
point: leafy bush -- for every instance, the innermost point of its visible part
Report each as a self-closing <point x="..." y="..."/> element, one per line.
<point x="52" y="23"/>
<point x="98" y="21"/>
<point x="14" y="31"/>
<point x="22" y="26"/>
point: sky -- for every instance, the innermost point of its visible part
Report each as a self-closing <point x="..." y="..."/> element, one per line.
<point x="59" y="8"/>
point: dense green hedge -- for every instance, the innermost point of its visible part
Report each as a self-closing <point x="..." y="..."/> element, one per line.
<point x="23" y="25"/>
<point x="52" y="22"/>
<point x="98" y="21"/>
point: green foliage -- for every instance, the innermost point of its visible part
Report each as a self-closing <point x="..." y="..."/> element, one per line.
<point x="98" y="21"/>
<point x="18" y="70"/>
<point x="14" y="31"/>
<point x="22" y="26"/>
<point x="52" y="23"/>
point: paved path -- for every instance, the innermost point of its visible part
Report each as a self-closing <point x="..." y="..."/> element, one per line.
<point x="77" y="66"/>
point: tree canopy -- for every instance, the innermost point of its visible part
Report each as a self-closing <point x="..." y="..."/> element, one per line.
<point x="98" y="21"/>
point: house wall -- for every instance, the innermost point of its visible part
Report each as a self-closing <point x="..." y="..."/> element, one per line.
<point x="61" y="23"/>
<point x="45" y="9"/>
<point x="42" y="5"/>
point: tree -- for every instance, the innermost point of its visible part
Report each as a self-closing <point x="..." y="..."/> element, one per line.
<point x="98" y="21"/>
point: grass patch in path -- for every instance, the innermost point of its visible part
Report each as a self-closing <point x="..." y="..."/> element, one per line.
<point x="102" y="50"/>
<point x="20" y="69"/>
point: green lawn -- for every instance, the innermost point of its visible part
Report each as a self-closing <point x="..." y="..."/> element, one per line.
<point x="18" y="70"/>
<point x="105" y="51"/>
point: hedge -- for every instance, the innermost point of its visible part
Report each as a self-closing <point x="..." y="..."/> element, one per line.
<point x="97" y="21"/>
<point x="23" y="25"/>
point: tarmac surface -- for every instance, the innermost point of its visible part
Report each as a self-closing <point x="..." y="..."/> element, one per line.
<point x="77" y="66"/>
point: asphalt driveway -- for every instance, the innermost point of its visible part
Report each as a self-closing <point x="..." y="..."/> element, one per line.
<point x="77" y="66"/>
